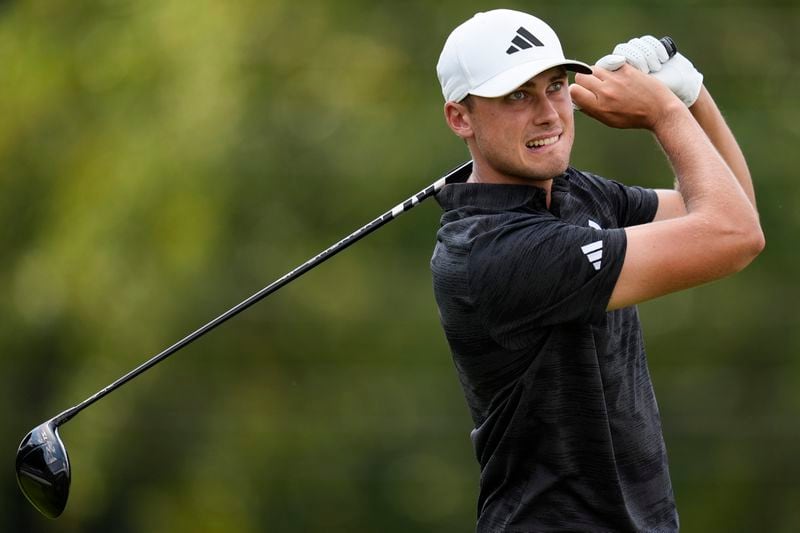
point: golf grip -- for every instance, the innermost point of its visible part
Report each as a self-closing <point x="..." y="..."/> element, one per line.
<point x="298" y="271"/>
<point x="670" y="45"/>
<point x="326" y="254"/>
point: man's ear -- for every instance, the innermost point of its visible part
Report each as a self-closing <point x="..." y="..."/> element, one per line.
<point x="459" y="119"/>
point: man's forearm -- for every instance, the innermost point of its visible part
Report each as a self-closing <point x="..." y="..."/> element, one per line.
<point x="704" y="178"/>
<point x="708" y="115"/>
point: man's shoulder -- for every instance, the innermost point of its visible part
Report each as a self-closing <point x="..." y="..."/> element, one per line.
<point x="588" y="179"/>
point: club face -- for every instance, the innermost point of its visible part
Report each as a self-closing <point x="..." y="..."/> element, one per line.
<point x="43" y="470"/>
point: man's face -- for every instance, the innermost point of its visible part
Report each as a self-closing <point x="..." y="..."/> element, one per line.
<point x="525" y="135"/>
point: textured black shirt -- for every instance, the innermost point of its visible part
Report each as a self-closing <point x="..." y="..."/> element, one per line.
<point x="567" y="430"/>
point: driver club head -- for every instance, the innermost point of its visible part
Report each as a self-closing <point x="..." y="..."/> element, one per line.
<point x="43" y="470"/>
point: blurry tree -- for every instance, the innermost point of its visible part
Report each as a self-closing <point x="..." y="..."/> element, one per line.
<point x="160" y="161"/>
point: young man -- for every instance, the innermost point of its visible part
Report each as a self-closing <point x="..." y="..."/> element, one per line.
<point x="538" y="267"/>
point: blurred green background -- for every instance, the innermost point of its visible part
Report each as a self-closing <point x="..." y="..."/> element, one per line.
<point x="162" y="160"/>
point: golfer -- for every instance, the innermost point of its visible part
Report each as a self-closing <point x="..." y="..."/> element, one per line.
<point x="538" y="267"/>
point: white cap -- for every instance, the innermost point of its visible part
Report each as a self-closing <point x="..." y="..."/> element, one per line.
<point x="495" y="52"/>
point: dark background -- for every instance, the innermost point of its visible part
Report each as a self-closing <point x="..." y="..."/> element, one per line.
<point x="162" y="160"/>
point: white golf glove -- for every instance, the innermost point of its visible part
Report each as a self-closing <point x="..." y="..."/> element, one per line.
<point x="649" y="55"/>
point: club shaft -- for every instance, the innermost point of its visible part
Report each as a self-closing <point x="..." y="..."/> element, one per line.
<point x="298" y="271"/>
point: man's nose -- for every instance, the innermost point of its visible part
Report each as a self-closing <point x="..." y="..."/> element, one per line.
<point x="544" y="111"/>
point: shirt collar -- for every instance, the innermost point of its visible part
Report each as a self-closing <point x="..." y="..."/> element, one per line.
<point x="497" y="196"/>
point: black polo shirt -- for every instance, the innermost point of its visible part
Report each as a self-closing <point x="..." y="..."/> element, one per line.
<point x="567" y="430"/>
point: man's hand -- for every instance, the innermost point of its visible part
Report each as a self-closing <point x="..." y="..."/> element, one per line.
<point x="649" y="55"/>
<point x="625" y="98"/>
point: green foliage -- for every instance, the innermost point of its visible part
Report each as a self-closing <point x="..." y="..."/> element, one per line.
<point x="163" y="160"/>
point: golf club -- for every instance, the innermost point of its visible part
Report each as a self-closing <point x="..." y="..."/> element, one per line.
<point x="43" y="470"/>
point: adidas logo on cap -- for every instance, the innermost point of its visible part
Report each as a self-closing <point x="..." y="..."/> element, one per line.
<point x="523" y="40"/>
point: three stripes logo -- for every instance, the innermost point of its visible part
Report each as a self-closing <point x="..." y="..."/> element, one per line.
<point x="523" y="40"/>
<point x="594" y="250"/>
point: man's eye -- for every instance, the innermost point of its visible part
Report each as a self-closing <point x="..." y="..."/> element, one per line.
<point x="557" y="86"/>
<point x="517" y="95"/>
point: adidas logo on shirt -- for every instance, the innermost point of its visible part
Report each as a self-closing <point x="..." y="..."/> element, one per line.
<point x="523" y="40"/>
<point x="594" y="253"/>
<point x="594" y="250"/>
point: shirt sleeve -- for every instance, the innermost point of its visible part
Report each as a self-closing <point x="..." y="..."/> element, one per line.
<point x="542" y="272"/>
<point x="634" y="205"/>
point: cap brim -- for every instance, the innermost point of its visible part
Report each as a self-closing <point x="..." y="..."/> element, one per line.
<point x="507" y="81"/>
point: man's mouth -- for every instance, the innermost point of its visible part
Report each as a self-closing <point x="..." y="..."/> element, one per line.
<point x="539" y="143"/>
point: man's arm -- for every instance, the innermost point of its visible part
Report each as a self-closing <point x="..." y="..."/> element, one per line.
<point x="705" y="111"/>
<point x="719" y="234"/>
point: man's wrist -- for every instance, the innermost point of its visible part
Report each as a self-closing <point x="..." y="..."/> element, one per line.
<point x="670" y="118"/>
<point x="704" y="102"/>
